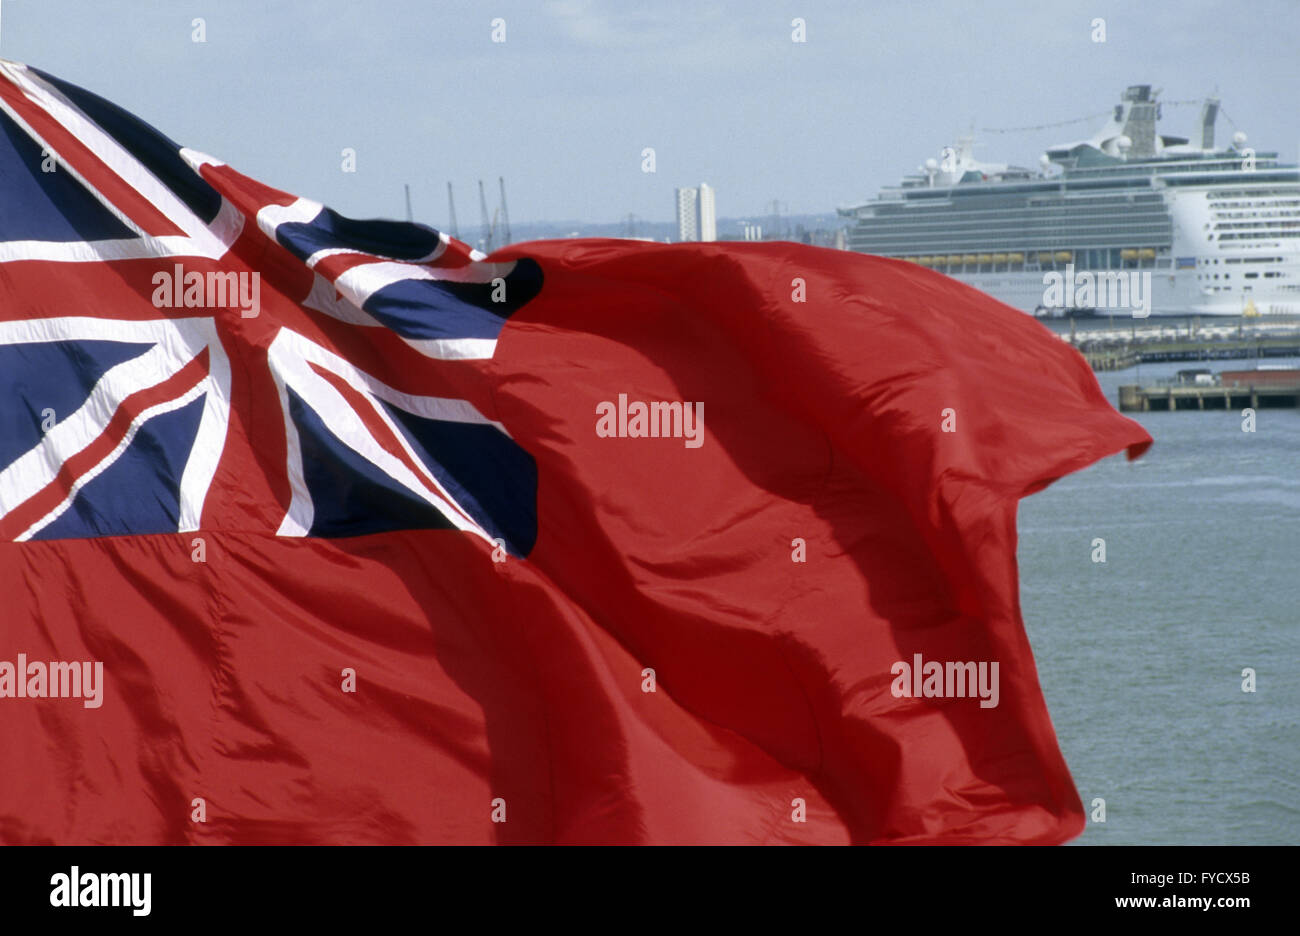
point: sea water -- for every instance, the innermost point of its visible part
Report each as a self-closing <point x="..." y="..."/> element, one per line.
<point x="1141" y="657"/>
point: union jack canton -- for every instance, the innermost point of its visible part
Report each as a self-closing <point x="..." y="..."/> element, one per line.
<point x="183" y="348"/>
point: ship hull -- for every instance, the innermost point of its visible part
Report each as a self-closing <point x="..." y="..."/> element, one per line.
<point x="1171" y="293"/>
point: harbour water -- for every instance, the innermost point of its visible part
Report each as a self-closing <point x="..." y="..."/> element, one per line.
<point x="1141" y="657"/>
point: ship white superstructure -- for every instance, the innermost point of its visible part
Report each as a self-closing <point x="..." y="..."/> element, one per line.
<point x="1217" y="228"/>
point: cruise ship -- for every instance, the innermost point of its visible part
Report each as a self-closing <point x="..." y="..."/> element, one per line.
<point x="1209" y="230"/>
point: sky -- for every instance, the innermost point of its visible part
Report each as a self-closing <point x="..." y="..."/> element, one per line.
<point x="566" y="105"/>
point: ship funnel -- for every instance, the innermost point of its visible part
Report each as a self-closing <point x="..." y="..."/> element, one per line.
<point x="1209" y="112"/>
<point x="1140" y="126"/>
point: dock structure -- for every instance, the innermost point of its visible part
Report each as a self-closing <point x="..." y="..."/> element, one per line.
<point x="1120" y="359"/>
<point x="1120" y="356"/>
<point x="1116" y="344"/>
<point x="1267" y="389"/>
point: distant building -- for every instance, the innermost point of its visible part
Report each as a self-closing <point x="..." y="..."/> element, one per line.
<point x="697" y="214"/>
<point x="688" y="212"/>
<point x="708" y="214"/>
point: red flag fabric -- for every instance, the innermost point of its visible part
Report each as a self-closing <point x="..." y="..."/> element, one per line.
<point x="667" y="551"/>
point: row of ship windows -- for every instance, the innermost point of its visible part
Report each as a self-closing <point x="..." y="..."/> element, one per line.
<point x="1206" y="290"/>
<point x="1146" y="257"/>
<point x="1253" y="193"/>
<point x="1253" y="221"/>
<point x="1254" y="225"/>
<point x="1255" y="235"/>
<point x="1267" y="203"/>
<point x="1027" y="231"/>
<point x="1230" y="215"/>
<point x="983" y="239"/>
<point x="1086" y="259"/>
<point x="1018" y="222"/>
<point x="1091" y="206"/>
<point x="1255" y="203"/>
<point x="1031" y="266"/>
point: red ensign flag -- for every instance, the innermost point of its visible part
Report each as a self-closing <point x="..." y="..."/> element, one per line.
<point x="324" y="530"/>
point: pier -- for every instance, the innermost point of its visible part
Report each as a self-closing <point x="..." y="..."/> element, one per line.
<point x="1129" y="354"/>
<point x="1110" y="345"/>
<point x="1200" y="390"/>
